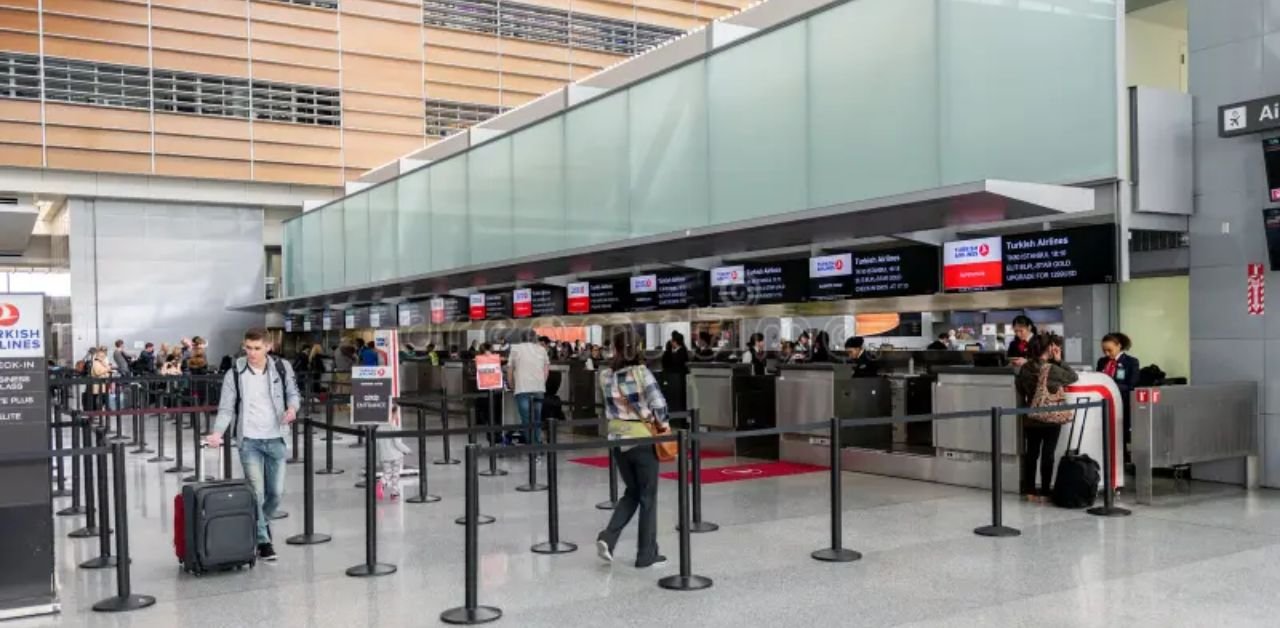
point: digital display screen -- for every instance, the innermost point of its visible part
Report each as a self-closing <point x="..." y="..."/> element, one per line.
<point x="382" y="317"/>
<point x="668" y="291"/>
<point x="1271" y="224"/>
<point x="448" y="310"/>
<point x="292" y="323"/>
<point x="758" y="283"/>
<point x="1043" y="259"/>
<point x="331" y="320"/>
<point x="831" y="277"/>
<point x="537" y="301"/>
<point x="597" y="296"/>
<point x="489" y="306"/>
<point x="412" y="314"/>
<point x="1271" y="156"/>
<point x="884" y="273"/>
<point x="313" y="322"/>
<point x="357" y="317"/>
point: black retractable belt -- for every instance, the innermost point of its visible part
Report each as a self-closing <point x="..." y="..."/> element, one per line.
<point x="997" y="527"/>
<point x="471" y="613"/>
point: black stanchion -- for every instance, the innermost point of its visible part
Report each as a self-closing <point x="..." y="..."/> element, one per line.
<point x="125" y="599"/>
<point x="613" y="482"/>
<point x="685" y="580"/>
<point x="77" y="476"/>
<point x="371" y="566"/>
<point x="160" y="457"/>
<point x="1108" y="507"/>
<point x="60" y="479"/>
<point x="836" y="553"/>
<point x="197" y="459"/>
<point x="104" y="558"/>
<point x="471" y="442"/>
<point x="178" y="465"/>
<point x="293" y="435"/>
<point x="493" y="471"/>
<point x="90" y="528"/>
<point x="997" y="527"/>
<point x="553" y="545"/>
<point x="532" y="486"/>
<point x="698" y="524"/>
<point x="309" y="535"/>
<point x="444" y="422"/>
<point x="142" y="435"/>
<point x="471" y="613"/>
<point x="423" y="497"/>
<point x="328" y="441"/>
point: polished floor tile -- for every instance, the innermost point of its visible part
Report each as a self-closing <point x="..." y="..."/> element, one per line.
<point x="1212" y="557"/>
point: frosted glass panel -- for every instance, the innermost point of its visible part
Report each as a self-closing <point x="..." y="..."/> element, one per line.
<point x="383" y="235"/>
<point x="413" y="216"/>
<point x="292" y="251"/>
<point x="355" y="212"/>
<point x="1029" y="90"/>
<point x="449" y="213"/>
<point x="538" y="178"/>
<point x="313" y="252"/>
<point x="332" y="227"/>
<point x="757" y="106"/>
<point x="873" y="100"/>
<point x="668" y="158"/>
<point x="489" y="201"/>
<point x="597" y="174"/>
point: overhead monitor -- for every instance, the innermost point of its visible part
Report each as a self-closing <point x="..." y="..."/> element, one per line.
<point x="412" y="313"/>
<point x="1041" y="259"/>
<point x="1271" y="224"/>
<point x="669" y="290"/>
<point x="1271" y="157"/>
<point x="448" y="310"/>
<point x="758" y="283"/>
<point x="537" y="301"/>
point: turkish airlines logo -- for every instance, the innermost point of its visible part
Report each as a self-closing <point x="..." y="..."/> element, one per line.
<point x="579" y="289"/>
<point x="523" y="295"/>
<point x="830" y="265"/>
<point x="728" y="276"/>
<point x="984" y="250"/>
<point x="644" y="283"/>
<point x="9" y="315"/>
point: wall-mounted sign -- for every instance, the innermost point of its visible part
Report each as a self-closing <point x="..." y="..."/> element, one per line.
<point x="412" y="314"/>
<point x="579" y="298"/>
<point x="488" y="372"/>
<point x="488" y="306"/>
<point x="972" y="265"/>
<point x="758" y="283"/>
<point x="313" y="322"/>
<point x="1252" y="116"/>
<point x="884" y="273"/>
<point x="1043" y="259"/>
<point x="668" y="291"/>
<point x="604" y="296"/>
<point x="381" y="317"/>
<point x="449" y="310"/>
<point x="476" y="307"/>
<point x="537" y="301"/>
<point x="1257" y="290"/>
<point x="357" y="317"/>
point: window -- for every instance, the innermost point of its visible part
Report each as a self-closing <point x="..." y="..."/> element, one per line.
<point x="535" y="23"/>
<point x="93" y="83"/>
<point x="19" y="76"/>
<point x="319" y="4"/>
<point x="444" y="117"/>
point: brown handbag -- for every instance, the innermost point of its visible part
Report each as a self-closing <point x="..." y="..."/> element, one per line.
<point x="1042" y="398"/>
<point x="666" y="450"/>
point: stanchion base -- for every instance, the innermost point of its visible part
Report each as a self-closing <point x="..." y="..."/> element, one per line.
<point x="330" y="472"/>
<point x="86" y="532"/>
<point x="700" y="526"/>
<point x="182" y="469"/>
<point x="292" y="461"/>
<point x="101" y="562"/>
<point x="681" y="583"/>
<point x="559" y="547"/>
<point x="531" y="488"/>
<point x="368" y="571"/>
<point x="1113" y="511"/>
<point x="423" y="499"/>
<point x="997" y="531"/>
<point x="277" y="515"/>
<point x="160" y="459"/>
<point x="356" y="445"/>
<point x="471" y="616"/>
<point x="62" y="492"/>
<point x="120" y="438"/>
<point x="606" y="505"/>
<point x="308" y="539"/>
<point x="447" y="462"/>
<point x="71" y="511"/>
<point x="482" y="520"/>
<point x="191" y="478"/>
<point x="119" y="604"/>
<point x="836" y="555"/>
<point x="495" y="473"/>
<point x="143" y="450"/>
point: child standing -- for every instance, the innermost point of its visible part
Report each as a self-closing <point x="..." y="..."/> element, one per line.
<point x="391" y="452"/>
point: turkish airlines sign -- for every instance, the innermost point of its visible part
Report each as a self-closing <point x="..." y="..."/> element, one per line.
<point x="973" y="264"/>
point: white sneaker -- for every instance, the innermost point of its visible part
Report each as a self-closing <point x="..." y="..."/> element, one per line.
<point x="602" y="550"/>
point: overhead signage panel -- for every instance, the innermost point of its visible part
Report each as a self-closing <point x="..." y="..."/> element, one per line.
<point x="1043" y="259"/>
<point x="668" y="291"/>
<point x="758" y="283"/>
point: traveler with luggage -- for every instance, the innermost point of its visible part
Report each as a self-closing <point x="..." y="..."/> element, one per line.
<point x="261" y="393"/>
<point x="1040" y="383"/>
<point x="635" y="407"/>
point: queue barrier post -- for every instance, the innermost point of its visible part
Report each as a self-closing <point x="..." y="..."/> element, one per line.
<point x="76" y="508"/>
<point x="493" y="471"/>
<point x="370" y="567"/>
<point x="471" y="613"/>
<point x="125" y="599"/>
<point x="685" y="580"/>
<point x="535" y="412"/>
<point x="141" y="435"/>
<point x="104" y="557"/>
<point x="444" y="422"/>
<point x="612" y="502"/>
<point x="59" y="470"/>
<point x="467" y="517"/>
<point x="309" y="535"/>
<point x="997" y="527"/>
<point x="160" y="457"/>
<point x="553" y="545"/>
<point x="90" y="528"/>
<point x="1108" y="507"/>
<point x="423" y="497"/>
<point x="837" y="552"/>
<point x="178" y="465"/>
<point x="293" y="435"/>
<point x="198" y="459"/>
<point x="699" y="526"/>
<point x="328" y="441"/>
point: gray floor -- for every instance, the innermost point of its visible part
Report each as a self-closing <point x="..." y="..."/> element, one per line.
<point x="1213" y="558"/>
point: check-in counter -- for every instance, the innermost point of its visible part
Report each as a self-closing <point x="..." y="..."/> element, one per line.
<point x="755" y="408"/>
<point x="817" y="392"/>
<point x="1181" y="425"/>
<point x="420" y="377"/>
<point x="710" y="390"/>
<point x="455" y="382"/>
<point x="964" y="388"/>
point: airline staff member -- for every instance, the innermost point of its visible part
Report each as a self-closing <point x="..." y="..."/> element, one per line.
<point x="1020" y="348"/>
<point x="754" y="354"/>
<point x="1117" y="364"/>
<point x="863" y="365"/>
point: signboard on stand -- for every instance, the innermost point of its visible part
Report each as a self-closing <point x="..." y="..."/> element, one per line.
<point x="371" y="394"/>
<point x="488" y="372"/>
<point x="26" y="499"/>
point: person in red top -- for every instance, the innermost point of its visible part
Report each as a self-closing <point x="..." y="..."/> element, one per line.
<point x="1020" y="347"/>
<point x="1117" y="364"/>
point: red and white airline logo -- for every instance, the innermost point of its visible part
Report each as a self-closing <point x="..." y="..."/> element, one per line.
<point x="522" y="302"/>
<point x="644" y="283"/>
<point x="9" y="315"/>
<point x="973" y="264"/>
<point x="831" y="266"/>
<point x="579" y="298"/>
<point x="728" y="276"/>
<point x="477" y="307"/>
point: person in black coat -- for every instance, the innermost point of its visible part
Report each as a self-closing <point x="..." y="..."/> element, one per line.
<point x="1117" y="364"/>
<point x="1019" y="351"/>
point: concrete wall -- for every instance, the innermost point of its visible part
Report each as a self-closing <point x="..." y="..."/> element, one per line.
<point x="1235" y="56"/>
<point x="159" y="272"/>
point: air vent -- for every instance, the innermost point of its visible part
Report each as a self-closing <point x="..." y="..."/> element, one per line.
<point x="8" y="200"/>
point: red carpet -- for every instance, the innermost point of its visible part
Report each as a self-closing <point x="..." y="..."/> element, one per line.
<point x="755" y="471"/>
<point x="602" y="462"/>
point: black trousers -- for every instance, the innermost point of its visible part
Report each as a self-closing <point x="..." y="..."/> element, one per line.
<point x="1039" y="444"/>
<point x="639" y="470"/>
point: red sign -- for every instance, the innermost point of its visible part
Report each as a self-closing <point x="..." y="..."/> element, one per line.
<point x="1257" y="292"/>
<point x="477" y="310"/>
<point x="488" y="372"/>
<point x="973" y="264"/>
<point x="1155" y="396"/>
<point x="1144" y="395"/>
<point x="9" y="315"/>
<point x="522" y="303"/>
<point x="580" y="298"/>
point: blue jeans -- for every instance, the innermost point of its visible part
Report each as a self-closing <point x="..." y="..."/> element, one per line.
<point x="263" y="461"/>
<point x="529" y="407"/>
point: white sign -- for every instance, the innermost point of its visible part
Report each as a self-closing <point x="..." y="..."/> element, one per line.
<point x="989" y="329"/>
<point x="831" y="266"/>
<point x="22" y="326"/>
<point x="523" y="295"/>
<point x="375" y="317"/>
<point x="728" y="276"/>
<point x="349" y="317"/>
<point x="1235" y="119"/>
<point x="579" y="289"/>
<point x="406" y="317"/>
<point x="644" y="283"/>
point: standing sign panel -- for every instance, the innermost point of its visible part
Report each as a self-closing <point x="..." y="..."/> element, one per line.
<point x="488" y="372"/>
<point x="26" y="500"/>
<point x="371" y="395"/>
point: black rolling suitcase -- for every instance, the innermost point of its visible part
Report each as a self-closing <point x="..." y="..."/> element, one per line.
<point x="215" y="526"/>
<point x="1076" y="483"/>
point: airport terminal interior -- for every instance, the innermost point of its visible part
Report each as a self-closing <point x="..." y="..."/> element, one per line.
<point x="622" y="312"/>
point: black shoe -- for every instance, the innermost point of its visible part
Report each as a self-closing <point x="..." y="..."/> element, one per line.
<point x="266" y="552"/>
<point x="658" y="561"/>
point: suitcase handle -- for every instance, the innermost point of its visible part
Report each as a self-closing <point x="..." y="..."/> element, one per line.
<point x="1075" y="412"/>
<point x="204" y="463"/>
